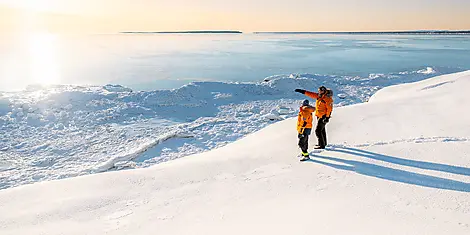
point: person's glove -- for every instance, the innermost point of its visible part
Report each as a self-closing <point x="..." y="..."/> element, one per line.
<point x="326" y="120"/>
<point x="300" y="91"/>
<point x="301" y="136"/>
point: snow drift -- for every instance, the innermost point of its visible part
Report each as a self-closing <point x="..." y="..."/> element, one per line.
<point x="397" y="164"/>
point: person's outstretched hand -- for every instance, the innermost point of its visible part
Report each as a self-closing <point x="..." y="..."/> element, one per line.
<point x="300" y="91"/>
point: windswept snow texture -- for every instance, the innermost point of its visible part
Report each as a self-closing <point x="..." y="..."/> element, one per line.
<point x="63" y="131"/>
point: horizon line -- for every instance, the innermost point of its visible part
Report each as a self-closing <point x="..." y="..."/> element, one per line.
<point x="185" y="32"/>
<point x="300" y="32"/>
<point x="368" y="32"/>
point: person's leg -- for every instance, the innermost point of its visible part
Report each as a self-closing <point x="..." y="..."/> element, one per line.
<point x="307" y="133"/>
<point x="324" y="136"/>
<point x="303" y="141"/>
<point x="305" y="149"/>
<point x="319" y="132"/>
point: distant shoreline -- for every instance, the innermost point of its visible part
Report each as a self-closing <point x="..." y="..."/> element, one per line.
<point x="430" y="32"/>
<point x="186" y="32"/>
<point x="417" y="32"/>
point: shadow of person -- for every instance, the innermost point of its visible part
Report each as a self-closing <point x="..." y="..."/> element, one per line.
<point x="391" y="174"/>
<point x="404" y="162"/>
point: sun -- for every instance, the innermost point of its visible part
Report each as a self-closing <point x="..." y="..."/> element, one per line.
<point x="43" y="56"/>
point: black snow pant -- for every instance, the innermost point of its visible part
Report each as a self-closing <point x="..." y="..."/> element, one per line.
<point x="320" y="132"/>
<point x="303" y="140"/>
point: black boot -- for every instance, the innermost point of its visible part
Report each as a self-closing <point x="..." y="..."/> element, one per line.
<point x="319" y="147"/>
<point x="305" y="158"/>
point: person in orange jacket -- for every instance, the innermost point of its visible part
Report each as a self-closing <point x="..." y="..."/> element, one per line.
<point x="323" y="109"/>
<point x="304" y="127"/>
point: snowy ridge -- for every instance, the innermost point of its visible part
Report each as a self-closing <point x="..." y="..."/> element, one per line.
<point x="125" y="158"/>
<point x="64" y="131"/>
<point x="396" y="165"/>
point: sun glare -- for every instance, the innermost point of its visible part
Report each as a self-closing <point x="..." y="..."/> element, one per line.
<point x="43" y="52"/>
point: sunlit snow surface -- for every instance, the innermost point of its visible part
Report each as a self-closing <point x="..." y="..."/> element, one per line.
<point x="64" y="131"/>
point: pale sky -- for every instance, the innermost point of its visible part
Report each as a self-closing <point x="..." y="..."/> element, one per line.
<point x="245" y="15"/>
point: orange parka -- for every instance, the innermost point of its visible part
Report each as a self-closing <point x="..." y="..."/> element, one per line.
<point x="305" y="119"/>
<point x="323" y="105"/>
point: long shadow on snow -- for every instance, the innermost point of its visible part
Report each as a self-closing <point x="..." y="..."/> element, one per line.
<point x="394" y="174"/>
<point x="405" y="162"/>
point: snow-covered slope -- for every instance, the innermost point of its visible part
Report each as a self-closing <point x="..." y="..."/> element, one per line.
<point x="398" y="164"/>
<point x="62" y="131"/>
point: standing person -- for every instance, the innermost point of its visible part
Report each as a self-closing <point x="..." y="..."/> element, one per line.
<point x="324" y="107"/>
<point x="304" y="127"/>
